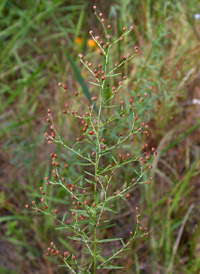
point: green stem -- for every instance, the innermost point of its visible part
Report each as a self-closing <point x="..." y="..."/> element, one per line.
<point x="97" y="162"/>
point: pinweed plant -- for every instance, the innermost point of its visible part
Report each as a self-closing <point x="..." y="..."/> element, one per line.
<point x="109" y="127"/>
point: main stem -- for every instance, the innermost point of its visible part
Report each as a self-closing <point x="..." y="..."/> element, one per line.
<point x="97" y="162"/>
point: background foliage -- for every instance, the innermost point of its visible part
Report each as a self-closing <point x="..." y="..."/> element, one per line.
<point x="40" y="41"/>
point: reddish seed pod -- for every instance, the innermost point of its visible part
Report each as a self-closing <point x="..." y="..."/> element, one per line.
<point x="114" y="88"/>
<point x="131" y="27"/>
<point x="136" y="49"/>
<point x="66" y="253"/>
<point x="78" y="139"/>
<point x="109" y="26"/>
<point x="76" y="93"/>
<point x="85" y="202"/>
<point x="37" y="211"/>
<point x="94" y="205"/>
<point x="73" y="213"/>
<point x="131" y="233"/>
<point x="121" y="38"/>
<point x="100" y="14"/>
<point x="72" y="197"/>
<point x="60" y="84"/>
<point x="42" y="199"/>
<point x="47" y="254"/>
<point x="48" y="120"/>
<point x="33" y="202"/>
<point x="52" y="244"/>
<point x="45" y="207"/>
<point x="91" y="132"/>
<point x="122" y="102"/>
<point x="124" y="28"/>
<point x="66" y="166"/>
<point x="56" y="211"/>
<point x="84" y="191"/>
<point x="100" y="52"/>
<point x="26" y="206"/>
<point x="80" y="56"/>
<point x="128" y="195"/>
<point x="64" y="111"/>
<point x="94" y="98"/>
<point x="74" y="257"/>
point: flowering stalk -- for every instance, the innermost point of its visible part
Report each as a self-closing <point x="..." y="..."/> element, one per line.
<point x="88" y="215"/>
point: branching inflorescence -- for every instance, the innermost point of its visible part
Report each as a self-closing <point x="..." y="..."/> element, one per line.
<point x="93" y="192"/>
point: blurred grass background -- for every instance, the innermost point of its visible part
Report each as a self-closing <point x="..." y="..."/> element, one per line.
<point x="40" y="42"/>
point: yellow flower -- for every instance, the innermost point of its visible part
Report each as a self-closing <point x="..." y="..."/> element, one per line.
<point x="91" y="43"/>
<point x="78" y="40"/>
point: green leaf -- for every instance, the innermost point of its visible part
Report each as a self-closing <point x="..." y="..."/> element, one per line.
<point x="89" y="173"/>
<point x="83" y="164"/>
<point x="107" y="209"/>
<point x="106" y="226"/>
<point x="88" y="181"/>
<point x="111" y="267"/>
<point x="109" y="240"/>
